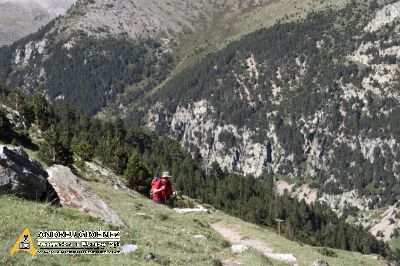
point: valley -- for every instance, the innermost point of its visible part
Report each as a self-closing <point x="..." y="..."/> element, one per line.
<point x="300" y="97"/>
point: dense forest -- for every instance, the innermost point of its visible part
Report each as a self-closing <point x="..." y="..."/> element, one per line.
<point x="86" y="72"/>
<point x="70" y="137"/>
<point x="310" y="61"/>
<point x="312" y="58"/>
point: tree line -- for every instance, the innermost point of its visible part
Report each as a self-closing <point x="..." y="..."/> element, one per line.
<point x="71" y="137"/>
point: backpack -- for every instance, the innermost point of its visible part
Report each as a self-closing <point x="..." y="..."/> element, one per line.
<point x="155" y="184"/>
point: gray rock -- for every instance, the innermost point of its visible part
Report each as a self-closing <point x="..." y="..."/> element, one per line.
<point x="126" y="249"/>
<point x="121" y="187"/>
<point x="320" y="263"/>
<point x="150" y="256"/>
<point x="199" y="237"/>
<point x="71" y="194"/>
<point x="15" y="118"/>
<point x="21" y="176"/>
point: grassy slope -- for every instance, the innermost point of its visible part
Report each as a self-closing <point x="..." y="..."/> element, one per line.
<point x="395" y="243"/>
<point x="155" y="229"/>
<point x="233" y="24"/>
<point x="218" y="32"/>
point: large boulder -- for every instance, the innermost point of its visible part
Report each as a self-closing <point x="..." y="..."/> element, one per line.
<point x="21" y="176"/>
<point x="71" y="194"/>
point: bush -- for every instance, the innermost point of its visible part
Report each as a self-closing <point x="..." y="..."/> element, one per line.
<point x="327" y="252"/>
<point x="5" y="126"/>
<point x="83" y="149"/>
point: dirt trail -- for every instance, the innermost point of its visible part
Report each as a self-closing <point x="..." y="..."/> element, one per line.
<point x="232" y="234"/>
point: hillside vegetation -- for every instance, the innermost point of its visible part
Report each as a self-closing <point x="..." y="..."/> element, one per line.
<point x="158" y="231"/>
<point x="89" y="45"/>
<point x="313" y="100"/>
<point x="69" y="137"/>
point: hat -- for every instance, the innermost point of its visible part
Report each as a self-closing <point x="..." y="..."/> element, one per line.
<point x="166" y="174"/>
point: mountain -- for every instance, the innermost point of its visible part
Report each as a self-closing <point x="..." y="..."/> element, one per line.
<point x="105" y="173"/>
<point x="313" y="101"/>
<point x="22" y="17"/>
<point x="92" y="46"/>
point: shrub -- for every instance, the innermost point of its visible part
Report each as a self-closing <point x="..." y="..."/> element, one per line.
<point x="327" y="252"/>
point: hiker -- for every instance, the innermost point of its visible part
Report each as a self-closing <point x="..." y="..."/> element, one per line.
<point x="161" y="189"/>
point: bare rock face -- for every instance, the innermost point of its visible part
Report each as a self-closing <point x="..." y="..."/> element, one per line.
<point x="71" y="194"/>
<point x="21" y="176"/>
<point x="15" y="117"/>
<point x="150" y="18"/>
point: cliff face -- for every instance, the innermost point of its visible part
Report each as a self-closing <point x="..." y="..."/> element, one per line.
<point x="321" y="109"/>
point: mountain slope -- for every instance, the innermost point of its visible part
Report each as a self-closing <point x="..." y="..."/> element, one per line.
<point x="67" y="137"/>
<point x="89" y="46"/>
<point x="314" y="101"/>
<point x="20" y="18"/>
<point x="173" y="234"/>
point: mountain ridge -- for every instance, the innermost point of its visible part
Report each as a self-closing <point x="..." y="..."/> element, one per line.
<point x="22" y="17"/>
<point x="312" y="101"/>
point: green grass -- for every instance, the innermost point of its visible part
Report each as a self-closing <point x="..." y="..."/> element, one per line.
<point x="395" y="243"/>
<point x="155" y="229"/>
<point x="234" y="23"/>
<point x="219" y="30"/>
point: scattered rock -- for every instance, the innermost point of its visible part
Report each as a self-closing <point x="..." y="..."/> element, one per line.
<point x="126" y="249"/>
<point x="150" y="256"/>
<point x="21" y="176"/>
<point x="239" y="248"/>
<point x="72" y="194"/>
<point x="199" y="237"/>
<point x="121" y="187"/>
<point x="320" y="263"/>
<point x="282" y="257"/>
<point x="199" y="209"/>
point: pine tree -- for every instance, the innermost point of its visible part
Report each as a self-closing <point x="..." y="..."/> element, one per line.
<point x="83" y="149"/>
<point x="137" y="173"/>
<point x="18" y="100"/>
<point x="5" y="126"/>
<point x="113" y="154"/>
<point x="119" y="159"/>
<point x="42" y="111"/>
<point x="56" y="148"/>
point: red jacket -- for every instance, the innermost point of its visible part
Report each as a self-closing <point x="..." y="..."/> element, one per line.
<point x="166" y="189"/>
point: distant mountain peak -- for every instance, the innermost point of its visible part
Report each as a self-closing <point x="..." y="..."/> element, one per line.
<point x="19" y="18"/>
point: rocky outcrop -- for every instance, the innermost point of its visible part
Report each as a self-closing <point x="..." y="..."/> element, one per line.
<point x="15" y="117"/>
<point x="21" y="176"/>
<point x="31" y="49"/>
<point x="71" y="194"/>
<point x="216" y="142"/>
<point x="384" y="16"/>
